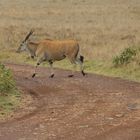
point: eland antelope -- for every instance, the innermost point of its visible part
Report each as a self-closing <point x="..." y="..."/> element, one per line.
<point x="51" y="51"/>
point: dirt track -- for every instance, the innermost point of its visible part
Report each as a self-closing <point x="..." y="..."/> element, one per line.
<point x="79" y="108"/>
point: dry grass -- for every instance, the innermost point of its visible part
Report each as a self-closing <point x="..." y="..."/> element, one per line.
<point x="98" y="25"/>
<point x="102" y="27"/>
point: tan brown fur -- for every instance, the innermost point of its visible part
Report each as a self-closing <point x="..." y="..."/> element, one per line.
<point x="54" y="49"/>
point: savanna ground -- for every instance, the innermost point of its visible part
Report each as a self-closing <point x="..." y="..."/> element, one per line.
<point x="94" y="107"/>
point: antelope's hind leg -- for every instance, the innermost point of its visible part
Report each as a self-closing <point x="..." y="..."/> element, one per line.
<point x="73" y="71"/>
<point x="80" y="61"/>
<point x="73" y="62"/>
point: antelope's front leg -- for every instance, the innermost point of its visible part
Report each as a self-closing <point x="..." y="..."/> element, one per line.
<point x="34" y="74"/>
<point x="51" y="69"/>
<point x="38" y="63"/>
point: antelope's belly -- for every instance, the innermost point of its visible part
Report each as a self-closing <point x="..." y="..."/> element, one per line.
<point x="58" y="58"/>
<point x="54" y="56"/>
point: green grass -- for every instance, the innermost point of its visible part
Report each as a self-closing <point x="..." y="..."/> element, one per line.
<point x="8" y="103"/>
<point x="130" y="71"/>
<point x="9" y="95"/>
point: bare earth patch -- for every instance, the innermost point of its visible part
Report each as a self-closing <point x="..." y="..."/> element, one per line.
<point x="26" y="106"/>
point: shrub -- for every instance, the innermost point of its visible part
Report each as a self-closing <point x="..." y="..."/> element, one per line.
<point x="125" y="57"/>
<point x="6" y="80"/>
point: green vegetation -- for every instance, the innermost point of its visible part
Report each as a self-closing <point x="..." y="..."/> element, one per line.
<point x="125" y="65"/>
<point x="8" y="103"/>
<point x="125" y="57"/>
<point x="9" y="95"/>
<point x="7" y="83"/>
<point x="131" y="71"/>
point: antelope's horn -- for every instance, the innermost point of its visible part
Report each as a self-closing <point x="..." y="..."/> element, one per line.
<point x="29" y="34"/>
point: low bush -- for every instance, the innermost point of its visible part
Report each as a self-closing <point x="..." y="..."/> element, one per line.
<point x="125" y="57"/>
<point x="6" y="80"/>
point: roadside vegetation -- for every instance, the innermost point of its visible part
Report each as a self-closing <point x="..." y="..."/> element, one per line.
<point x="9" y="95"/>
<point x="125" y="57"/>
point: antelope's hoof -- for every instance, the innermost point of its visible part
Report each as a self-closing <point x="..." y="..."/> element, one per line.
<point x="33" y="75"/>
<point x="83" y="73"/>
<point x="71" y="75"/>
<point x="52" y="75"/>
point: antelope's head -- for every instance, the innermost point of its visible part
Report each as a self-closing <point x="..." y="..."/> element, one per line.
<point x="24" y="43"/>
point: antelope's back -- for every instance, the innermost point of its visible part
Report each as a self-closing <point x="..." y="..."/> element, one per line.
<point x="58" y="47"/>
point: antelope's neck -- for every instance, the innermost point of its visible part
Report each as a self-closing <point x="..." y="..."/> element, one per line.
<point x="32" y="47"/>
